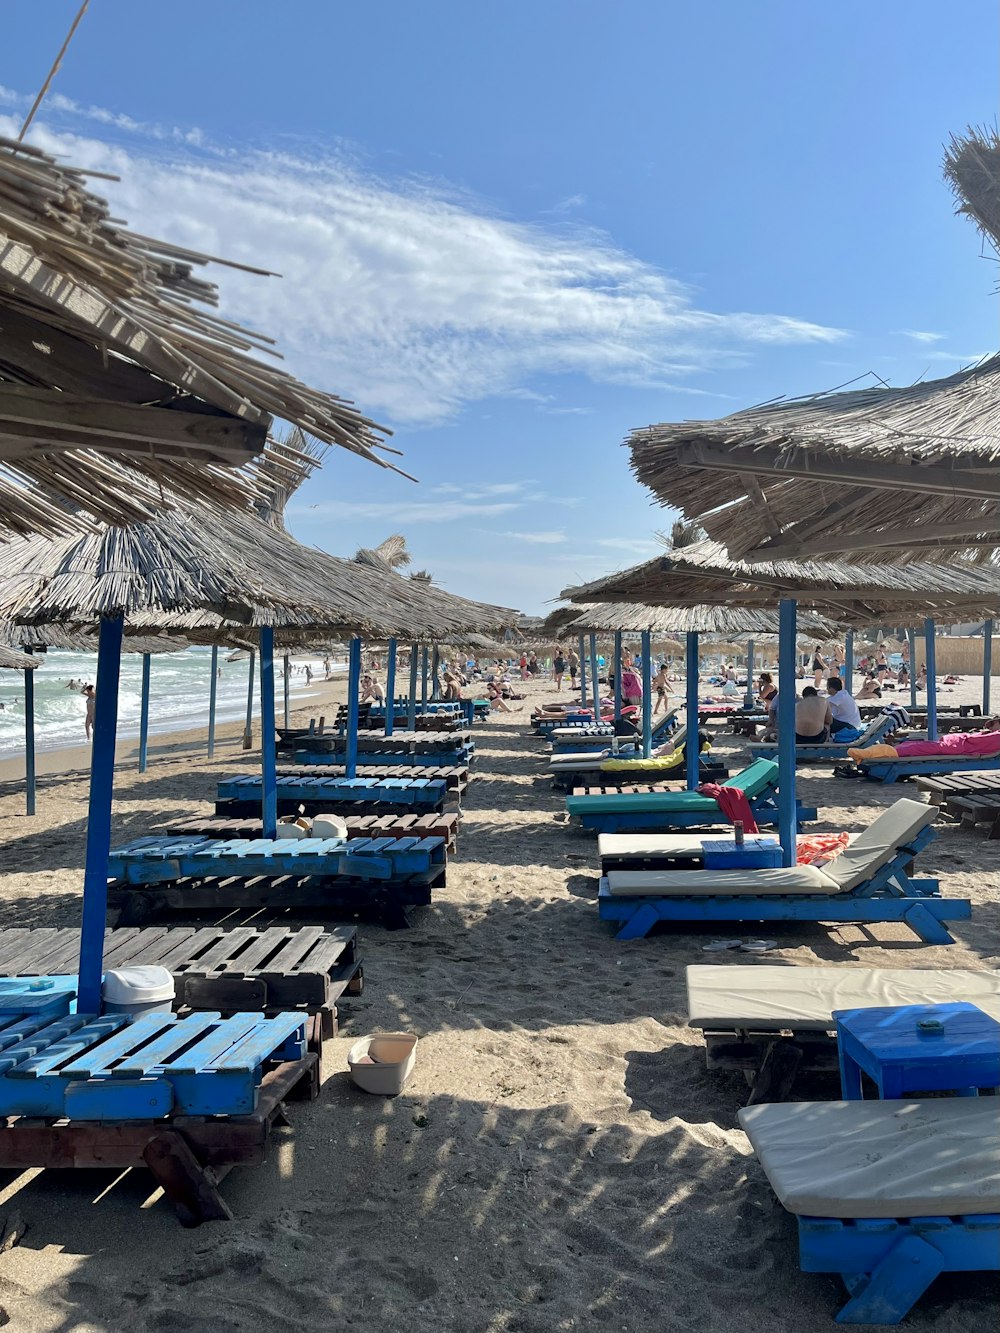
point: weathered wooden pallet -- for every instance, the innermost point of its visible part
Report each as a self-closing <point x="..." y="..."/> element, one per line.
<point x="186" y="1155"/>
<point x="407" y="743"/>
<point x="619" y="780"/>
<point x="88" y="1067"/>
<point x="941" y="787"/>
<point x="385" y="900"/>
<point x="358" y="826"/>
<point x="156" y="860"/>
<point x="242" y="795"/>
<point x="631" y="789"/>
<point x="279" y="968"/>
<point x="976" y="809"/>
<point x="454" y="776"/>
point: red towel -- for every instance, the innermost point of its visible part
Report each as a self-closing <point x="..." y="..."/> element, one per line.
<point x="733" y="804"/>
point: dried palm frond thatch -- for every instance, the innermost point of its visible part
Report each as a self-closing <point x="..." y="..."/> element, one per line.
<point x="905" y="472"/>
<point x="632" y="618"/>
<point x="108" y="352"/>
<point x="972" y="168"/>
<point x="201" y="575"/>
<point x="846" y="593"/>
<point x="11" y="659"/>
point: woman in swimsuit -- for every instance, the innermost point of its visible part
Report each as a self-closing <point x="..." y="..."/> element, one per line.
<point x="818" y="667"/>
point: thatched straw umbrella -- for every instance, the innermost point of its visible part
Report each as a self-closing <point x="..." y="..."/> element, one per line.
<point x="972" y="168"/>
<point x="107" y="356"/>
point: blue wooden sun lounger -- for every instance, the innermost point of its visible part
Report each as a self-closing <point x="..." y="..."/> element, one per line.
<point x="889" y="1194"/>
<point x="585" y="740"/>
<point x="893" y="770"/>
<point x="159" y="860"/>
<point x="413" y="793"/>
<point x="375" y="759"/>
<point x="662" y="811"/>
<point x="186" y="1098"/>
<point x="830" y="751"/>
<point x="868" y="881"/>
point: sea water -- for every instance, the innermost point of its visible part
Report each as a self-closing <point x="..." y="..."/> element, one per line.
<point x="178" y="694"/>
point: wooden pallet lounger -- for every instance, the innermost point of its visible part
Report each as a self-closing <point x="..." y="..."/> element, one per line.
<point x="683" y="809"/>
<point x="277" y="969"/>
<point x="775" y="1022"/>
<point x="186" y="1097"/>
<point x="318" y="795"/>
<point x="887" y="1193"/>
<point x="867" y="882"/>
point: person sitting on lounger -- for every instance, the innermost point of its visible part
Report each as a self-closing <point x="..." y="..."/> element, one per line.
<point x="812" y="717"/>
<point x="631" y="687"/>
<point x="371" y="690"/>
<point x="844" y="711"/>
<point x="452" y="691"/>
<point x="870" y="689"/>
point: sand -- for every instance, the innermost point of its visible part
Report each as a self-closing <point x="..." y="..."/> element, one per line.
<point x="561" y="1159"/>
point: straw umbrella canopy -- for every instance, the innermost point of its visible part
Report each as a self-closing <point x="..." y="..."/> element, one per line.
<point x="849" y="594"/>
<point x="972" y="168"/>
<point x="632" y="618"/>
<point x="15" y="661"/>
<point x="109" y="355"/>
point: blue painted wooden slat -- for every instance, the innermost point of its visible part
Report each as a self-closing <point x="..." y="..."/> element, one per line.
<point x="164" y="1048"/>
<point x="204" y="1054"/>
<point x="119" y="1099"/>
<point x="282" y="1037"/>
<point x="95" y="1030"/>
<point x="103" y="1056"/>
<point x="20" y="1044"/>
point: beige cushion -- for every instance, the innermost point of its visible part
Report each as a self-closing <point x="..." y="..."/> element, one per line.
<point x="934" y="1158"/>
<point x="876" y="845"/>
<point x="640" y="845"/>
<point x="718" y="883"/>
<point x="768" y="998"/>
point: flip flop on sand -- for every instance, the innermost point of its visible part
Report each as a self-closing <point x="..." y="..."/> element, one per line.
<point x="758" y="946"/>
<point x="720" y="946"/>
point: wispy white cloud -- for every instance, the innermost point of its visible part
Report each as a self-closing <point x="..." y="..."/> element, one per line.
<point x="919" y="336"/>
<point x="411" y="298"/>
<point x="537" y="538"/>
<point x="403" y="511"/>
<point x="477" y="491"/>
<point x="567" y="411"/>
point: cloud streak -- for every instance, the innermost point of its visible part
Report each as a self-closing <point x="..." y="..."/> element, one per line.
<point x="412" y="299"/>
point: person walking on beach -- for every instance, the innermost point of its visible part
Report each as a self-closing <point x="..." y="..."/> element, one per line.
<point x="661" y="686"/>
<point x="558" y="669"/>
<point x="574" y="667"/>
<point x="818" y="666"/>
<point x="88" y="721"/>
<point x="309" y="674"/>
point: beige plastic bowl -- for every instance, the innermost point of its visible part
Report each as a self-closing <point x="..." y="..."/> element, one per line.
<point x="395" y="1053"/>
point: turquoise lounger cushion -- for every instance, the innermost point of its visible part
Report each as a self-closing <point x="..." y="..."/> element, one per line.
<point x="754" y="780"/>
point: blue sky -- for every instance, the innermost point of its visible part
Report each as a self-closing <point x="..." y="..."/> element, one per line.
<point x="514" y="232"/>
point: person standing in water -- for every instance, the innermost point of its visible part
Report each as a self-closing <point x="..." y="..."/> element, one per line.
<point x="88" y="722"/>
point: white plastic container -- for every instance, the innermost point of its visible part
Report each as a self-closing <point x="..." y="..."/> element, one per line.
<point x="393" y="1055"/>
<point x="291" y="826"/>
<point x="329" y="826"/>
<point x="138" y="991"/>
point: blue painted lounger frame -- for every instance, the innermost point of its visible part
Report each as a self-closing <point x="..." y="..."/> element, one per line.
<point x="420" y="793"/>
<point x="764" y="807"/>
<point x="890" y="895"/>
<point x="161" y="860"/>
<point x="388" y="759"/>
<point x="832" y="752"/>
<point x="891" y="770"/>
<point x="887" y="1263"/>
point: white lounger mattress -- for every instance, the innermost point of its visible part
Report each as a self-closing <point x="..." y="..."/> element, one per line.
<point x="765" y="998"/>
<point x="935" y="1158"/>
<point x="640" y="846"/>
<point x="720" y="883"/>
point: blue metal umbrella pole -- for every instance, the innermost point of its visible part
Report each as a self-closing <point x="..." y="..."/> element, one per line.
<point x="786" y="730"/>
<point x="144" y="714"/>
<point x="849" y="661"/>
<point x="213" y="691"/>
<point x="353" y="695"/>
<point x="269" y="756"/>
<point x="390" y="689"/>
<point x="248" y="729"/>
<point x="911" y="639"/>
<point x="645" y="648"/>
<point x="595" y="682"/>
<point x="618" y="674"/>
<point x="583" y="673"/>
<point x="929" y="648"/>
<point x="411" y="710"/>
<point x="987" y="664"/>
<point x="692" y="711"/>
<point x="102" y="774"/>
<point x="30" y="782"/>
<point x="435" y="674"/>
<point x="423" y="678"/>
<point x="748" y="697"/>
<point x="286" y="686"/>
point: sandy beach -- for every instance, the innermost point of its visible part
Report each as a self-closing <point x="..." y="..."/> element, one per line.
<point x="561" y="1159"/>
